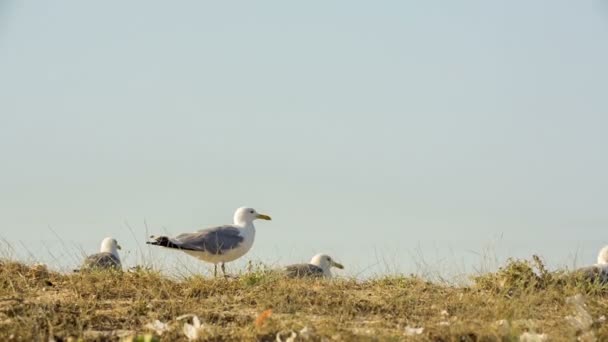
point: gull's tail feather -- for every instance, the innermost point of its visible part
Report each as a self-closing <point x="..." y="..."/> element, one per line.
<point x="163" y="241"/>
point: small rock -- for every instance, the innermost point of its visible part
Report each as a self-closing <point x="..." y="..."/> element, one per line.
<point x="533" y="337"/>
<point x="410" y="331"/>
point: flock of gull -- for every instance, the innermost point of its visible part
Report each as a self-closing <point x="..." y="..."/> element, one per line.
<point x="216" y="245"/>
<point x="222" y="244"/>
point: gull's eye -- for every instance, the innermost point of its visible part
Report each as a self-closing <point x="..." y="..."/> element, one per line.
<point x="251" y="211"/>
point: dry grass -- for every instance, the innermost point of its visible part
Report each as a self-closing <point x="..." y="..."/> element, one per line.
<point x="38" y="305"/>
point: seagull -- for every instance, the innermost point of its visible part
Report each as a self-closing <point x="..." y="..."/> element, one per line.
<point x="219" y="244"/>
<point x="319" y="266"/>
<point x="599" y="270"/>
<point x="602" y="256"/>
<point x="107" y="258"/>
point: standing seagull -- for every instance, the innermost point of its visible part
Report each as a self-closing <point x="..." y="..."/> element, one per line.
<point x="217" y="244"/>
<point x="319" y="266"/>
<point x="107" y="258"/>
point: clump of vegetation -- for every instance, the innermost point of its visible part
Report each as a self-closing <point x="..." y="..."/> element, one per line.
<point x="522" y="297"/>
<point x="516" y="277"/>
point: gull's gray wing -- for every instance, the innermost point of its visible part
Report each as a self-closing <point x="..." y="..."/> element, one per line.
<point x="101" y="261"/>
<point x="303" y="271"/>
<point x="215" y="240"/>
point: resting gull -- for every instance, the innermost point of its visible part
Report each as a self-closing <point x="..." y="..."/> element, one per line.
<point x="319" y="266"/>
<point x="107" y="258"/>
<point x="217" y="244"/>
<point x="598" y="271"/>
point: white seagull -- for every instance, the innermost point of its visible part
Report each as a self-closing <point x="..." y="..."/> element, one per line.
<point x="217" y="244"/>
<point x="319" y="266"/>
<point x="107" y="258"/>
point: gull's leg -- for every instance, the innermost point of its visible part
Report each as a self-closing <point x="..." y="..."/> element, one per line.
<point x="224" y="270"/>
<point x="215" y="270"/>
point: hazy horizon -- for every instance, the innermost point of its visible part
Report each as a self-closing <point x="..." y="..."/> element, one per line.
<point x="380" y="133"/>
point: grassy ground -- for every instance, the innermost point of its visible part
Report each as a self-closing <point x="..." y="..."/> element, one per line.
<point x="521" y="297"/>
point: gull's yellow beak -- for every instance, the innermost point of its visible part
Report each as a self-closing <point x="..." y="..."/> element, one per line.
<point x="263" y="217"/>
<point x="337" y="265"/>
<point x="118" y="247"/>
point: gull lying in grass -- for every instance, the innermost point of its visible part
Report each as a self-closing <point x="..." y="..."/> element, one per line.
<point x="217" y="244"/>
<point x="107" y="258"/>
<point x="319" y="266"/>
<point x="599" y="271"/>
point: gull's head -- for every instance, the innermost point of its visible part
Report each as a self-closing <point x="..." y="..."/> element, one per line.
<point x="602" y="257"/>
<point x="110" y="245"/>
<point x="325" y="262"/>
<point x="245" y="216"/>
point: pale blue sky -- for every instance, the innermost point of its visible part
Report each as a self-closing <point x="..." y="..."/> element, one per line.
<point x="414" y="130"/>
